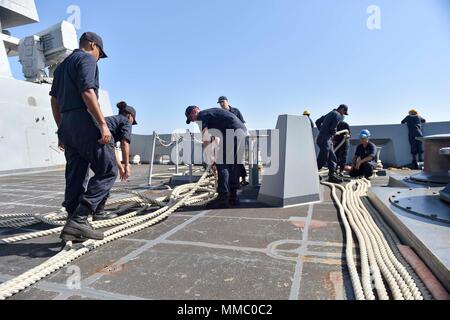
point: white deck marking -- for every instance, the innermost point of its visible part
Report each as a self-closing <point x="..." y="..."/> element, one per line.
<point x="296" y="284"/>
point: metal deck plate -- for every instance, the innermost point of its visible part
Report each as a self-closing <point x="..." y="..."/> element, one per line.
<point x="423" y="202"/>
<point x="251" y="252"/>
<point x="440" y="178"/>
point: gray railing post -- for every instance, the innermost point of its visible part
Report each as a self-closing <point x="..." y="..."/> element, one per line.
<point x="177" y="165"/>
<point x="191" y="166"/>
<point x="152" y="159"/>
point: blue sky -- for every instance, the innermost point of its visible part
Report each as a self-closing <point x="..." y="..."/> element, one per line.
<point x="270" y="57"/>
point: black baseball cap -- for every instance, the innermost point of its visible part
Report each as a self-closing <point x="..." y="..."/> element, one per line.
<point x="188" y="113"/>
<point x="93" y="37"/>
<point x="132" y="111"/>
<point x="223" y="98"/>
<point x="345" y="108"/>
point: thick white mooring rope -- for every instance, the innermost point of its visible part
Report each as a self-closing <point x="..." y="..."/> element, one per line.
<point x="124" y="226"/>
<point x="378" y="262"/>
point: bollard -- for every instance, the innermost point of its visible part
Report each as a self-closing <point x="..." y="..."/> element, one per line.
<point x="379" y="163"/>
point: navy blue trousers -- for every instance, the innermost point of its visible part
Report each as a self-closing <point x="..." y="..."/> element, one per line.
<point x="366" y="170"/>
<point x="229" y="171"/>
<point x="342" y="155"/>
<point x="416" y="145"/>
<point x="326" y="154"/>
<point x="80" y="134"/>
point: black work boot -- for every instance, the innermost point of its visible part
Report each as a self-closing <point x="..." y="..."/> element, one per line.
<point x="78" y="228"/>
<point x="220" y="203"/>
<point x="244" y="183"/>
<point x="333" y="178"/>
<point x="101" y="214"/>
<point x="104" y="215"/>
<point x="414" y="163"/>
<point x="234" y="200"/>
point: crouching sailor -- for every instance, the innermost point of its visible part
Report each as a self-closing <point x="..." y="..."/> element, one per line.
<point x="83" y="131"/>
<point x="364" y="160"/>
<point x="121" y="130"/>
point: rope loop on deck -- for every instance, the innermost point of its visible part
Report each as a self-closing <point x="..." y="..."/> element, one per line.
<point x="184" y="196"/>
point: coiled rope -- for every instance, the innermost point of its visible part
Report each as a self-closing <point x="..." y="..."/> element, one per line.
<point x="186" y="195"/>
<point x="346" y="134"/>
<point x="379" y="264"/>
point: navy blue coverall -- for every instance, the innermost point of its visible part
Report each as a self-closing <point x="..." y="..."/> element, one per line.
<point x="79" y="132"/>
<point x="319" y="122"/>
<point x="222" y="120"/>
<point x="121" y="129"/>
<point x="415" y="131"/>
<point x="241" y="167"/>
<point x="312" y="123"/>
<point x="342" y="153"/>
<point x="328" y="128"/>
<point x="367" y="168"/>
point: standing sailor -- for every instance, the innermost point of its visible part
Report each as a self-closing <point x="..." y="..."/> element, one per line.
<point x="415" y="122"/>
<point x="121" y="127"/>
<point x="83" y="131"/>
<point x="224" y="104"/>
<point x="307" y="113"/>
<point x="342" y="142"/>
<point x="227" y="127"/>
<point x="328" y="129"/>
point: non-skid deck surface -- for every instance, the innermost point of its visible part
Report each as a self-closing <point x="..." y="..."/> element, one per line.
<point x="248" y="253"/>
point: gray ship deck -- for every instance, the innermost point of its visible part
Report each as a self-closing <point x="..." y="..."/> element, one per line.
<point x="247" y="253"/>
